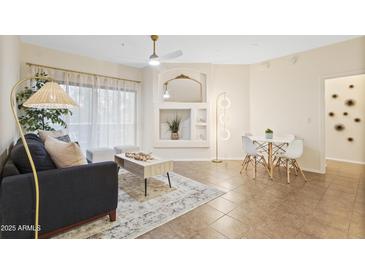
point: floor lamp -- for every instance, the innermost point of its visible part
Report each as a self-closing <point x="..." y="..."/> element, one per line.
<point x="49" y="96"/>
<point x="222" y="102"/>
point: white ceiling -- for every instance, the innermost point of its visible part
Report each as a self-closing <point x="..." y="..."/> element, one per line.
<point x="134" y="50"/>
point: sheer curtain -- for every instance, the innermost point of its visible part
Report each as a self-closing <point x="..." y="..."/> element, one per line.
<point x="107" y="114"/>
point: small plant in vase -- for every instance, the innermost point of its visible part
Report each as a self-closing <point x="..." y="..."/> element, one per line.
<point x="269" y="133"/>
<point x="174" y="127"/>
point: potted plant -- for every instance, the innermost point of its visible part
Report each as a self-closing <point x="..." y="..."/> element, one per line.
<point x="269" y="133"/>
<point x="174" y="127"/>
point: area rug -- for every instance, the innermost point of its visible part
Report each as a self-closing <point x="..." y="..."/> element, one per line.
<point x="137" y="214"/>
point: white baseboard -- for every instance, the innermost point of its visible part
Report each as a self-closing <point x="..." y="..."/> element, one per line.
<point x="345" y="160"/>
<point x="314" y="170"/>
<point x="207" y="159"/>
<point x="231" y="159"/>
<point x="191" y="160"/>
<point x="236" y="159"/>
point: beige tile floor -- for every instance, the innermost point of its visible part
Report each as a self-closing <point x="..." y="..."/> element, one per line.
<point x="327" y="206"/>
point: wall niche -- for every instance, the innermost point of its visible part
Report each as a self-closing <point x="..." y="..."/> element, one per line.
<point x="182" y="93"/>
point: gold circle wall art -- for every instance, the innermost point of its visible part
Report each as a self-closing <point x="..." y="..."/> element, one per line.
<point x="351" y="86"/>
<point x="357" y="120"/>
<point x="334" y="96"/>
<point x="345" y="113"/>
<point x="331" y="114"/>
<point x="350" y="139"/>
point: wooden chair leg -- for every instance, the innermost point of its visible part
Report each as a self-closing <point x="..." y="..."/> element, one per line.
<point x="295" y="167"/>
<point x="278" y="162"/>
<point x="244" y="163"/>
<point x="287" y="171"/>
<point x="248" y="161"/>
<point x="255" y="167"/>
<point x="301" y="171"/>
<point x="266" y="166"/>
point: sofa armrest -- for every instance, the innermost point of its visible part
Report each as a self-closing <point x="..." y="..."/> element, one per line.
<point x="67" y="196"/>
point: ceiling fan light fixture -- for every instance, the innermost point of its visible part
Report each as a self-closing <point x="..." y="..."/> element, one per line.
<point x="154" y="60"/>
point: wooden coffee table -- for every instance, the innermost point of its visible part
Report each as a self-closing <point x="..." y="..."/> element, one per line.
<point x="145" y="169"/>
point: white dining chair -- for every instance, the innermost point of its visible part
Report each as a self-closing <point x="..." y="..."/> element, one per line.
<point x="261" y="147"/>
<point x="293" y="152"/>
<point x="252" y="156"/>
<point x="281" y="148"/>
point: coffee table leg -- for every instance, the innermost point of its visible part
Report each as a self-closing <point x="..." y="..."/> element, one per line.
<point x="145" y="187"/>
<point x="168" y="177"/>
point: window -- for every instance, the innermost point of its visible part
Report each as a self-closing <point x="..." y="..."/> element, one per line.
<point x="106" y="117"/>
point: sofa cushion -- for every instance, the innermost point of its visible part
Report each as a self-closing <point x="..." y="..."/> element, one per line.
<point x="41" y="158"/>
<point x="9" y="169"/>
<point x="64" y="154"/>
<point x="30" y="136"/>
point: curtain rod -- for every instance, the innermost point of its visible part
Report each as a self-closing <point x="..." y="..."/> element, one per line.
<point x="81" y="72"/>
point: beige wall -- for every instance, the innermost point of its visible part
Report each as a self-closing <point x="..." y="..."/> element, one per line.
<point x="50" y="57"/>
<point x="289" y="98"/>
<point x="337" y="145"/>
<point x="9" y="75"/>
<point x="281" y="94"/>
<point x="234" y="79"/>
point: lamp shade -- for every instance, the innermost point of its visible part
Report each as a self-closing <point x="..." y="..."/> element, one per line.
<point x="50" y="96"/>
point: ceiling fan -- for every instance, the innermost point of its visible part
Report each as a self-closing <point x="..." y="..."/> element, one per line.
<point x="155" y="60"/>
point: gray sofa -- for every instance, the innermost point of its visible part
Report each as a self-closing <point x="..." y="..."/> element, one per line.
<point x="68" y="196"/>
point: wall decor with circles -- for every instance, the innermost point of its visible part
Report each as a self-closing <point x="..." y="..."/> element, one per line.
<point x="344" y="103"/>
<point x="344" y="118"/>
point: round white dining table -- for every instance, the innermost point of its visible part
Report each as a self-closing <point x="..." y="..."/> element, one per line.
<point x="276" y="140"/>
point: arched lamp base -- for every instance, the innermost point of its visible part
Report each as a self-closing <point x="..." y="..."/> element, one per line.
<point x="217" y="161"/>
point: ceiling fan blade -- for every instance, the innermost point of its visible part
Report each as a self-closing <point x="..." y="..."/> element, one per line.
<point x="172" y="55"/>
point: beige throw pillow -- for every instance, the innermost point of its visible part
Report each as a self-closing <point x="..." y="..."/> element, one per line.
<point x="54" y="133"/>
<point x="64" y="154"/>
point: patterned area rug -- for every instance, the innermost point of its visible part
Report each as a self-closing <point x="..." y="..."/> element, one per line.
<point x="137" y="214"/>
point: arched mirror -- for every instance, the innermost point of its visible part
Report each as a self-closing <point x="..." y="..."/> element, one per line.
<point x="182" y="89"/>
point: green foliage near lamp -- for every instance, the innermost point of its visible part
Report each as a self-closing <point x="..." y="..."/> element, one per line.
<point x="174" y="127"/>
<point x="33" y="119"/>
<point x="269" y="133"/>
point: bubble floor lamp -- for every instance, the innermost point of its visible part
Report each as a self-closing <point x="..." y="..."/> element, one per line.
<point x="49" y="96"/>
<point x="222" y="103"/>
